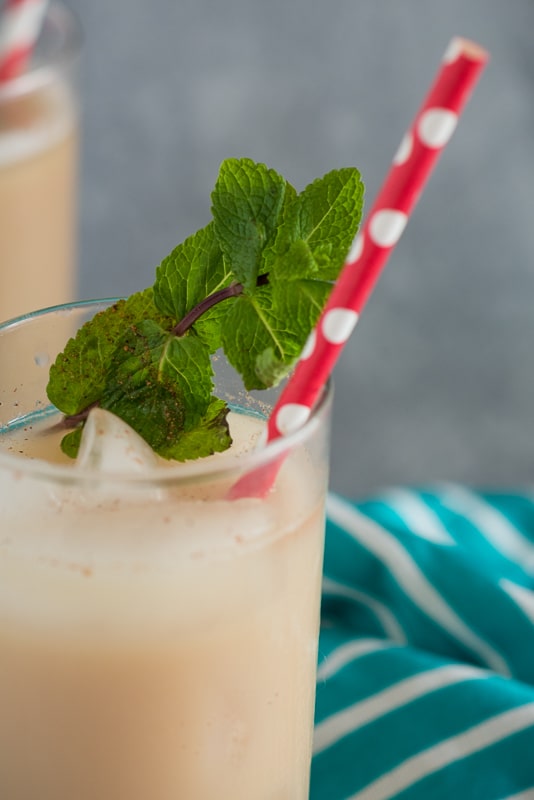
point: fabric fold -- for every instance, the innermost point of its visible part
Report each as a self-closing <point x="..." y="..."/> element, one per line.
<point x="425" y="684"/>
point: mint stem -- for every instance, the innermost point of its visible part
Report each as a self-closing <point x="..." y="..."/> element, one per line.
<point x="73" y="420"/>
<point x="191" y="317"/>
<point x="211" y="300"/>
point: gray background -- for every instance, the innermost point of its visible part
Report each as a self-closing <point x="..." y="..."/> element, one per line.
<point x="438" y="380"/>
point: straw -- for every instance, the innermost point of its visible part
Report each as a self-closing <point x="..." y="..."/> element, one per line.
<point x="20" y="25"/>
<point x="420" y="148"/>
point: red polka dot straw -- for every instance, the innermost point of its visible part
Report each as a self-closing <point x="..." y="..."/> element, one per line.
<point x="20" y="24"/>
<point x="412" y="164"/>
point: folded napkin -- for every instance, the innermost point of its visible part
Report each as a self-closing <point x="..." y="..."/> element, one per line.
<point x="425" y="685"/>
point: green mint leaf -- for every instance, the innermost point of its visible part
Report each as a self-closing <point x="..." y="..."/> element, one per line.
<point x="159" y="384"/>
<point x="247" y="205"/>
<point x="186" y="363"/>
<point x="78" y="376"/>
<point x="193" y="271"/>
<point x="211" y="435"/>
<point x="302" y="306"/>
<point x="71" y="442"/>
<point x="258" y="343"/>
<point x="319" y="227"/>
<point x="264" y="334"/>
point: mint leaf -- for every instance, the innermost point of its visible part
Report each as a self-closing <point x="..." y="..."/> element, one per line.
<point x="301" y="306"/>
<point x="264" y="334"/>
<point x="211" y="435"/>
<point x="158" y="384"/>
<point x="247" y="205"/>
<point x="186" y="363"/>
<point x="259" y="344"/>
<point x="148" y="356"/>
<point x="194" y="270"/>
<point x="319" y="227"/>
<point x="70" y="443"/>
<point x="78" y="376"/>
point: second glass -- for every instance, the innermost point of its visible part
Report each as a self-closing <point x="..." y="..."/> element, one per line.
<point x="38" y="172"/>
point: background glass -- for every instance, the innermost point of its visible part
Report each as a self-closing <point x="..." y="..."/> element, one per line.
<point x="38" y="170"/>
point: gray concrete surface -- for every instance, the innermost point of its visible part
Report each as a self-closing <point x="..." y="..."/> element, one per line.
<point x="438" y="381"/>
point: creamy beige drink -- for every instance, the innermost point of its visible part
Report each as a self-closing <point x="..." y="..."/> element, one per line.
<point x="38" y="172"/>
<point x="157" y="640"/>
<point x="37" y="207"/>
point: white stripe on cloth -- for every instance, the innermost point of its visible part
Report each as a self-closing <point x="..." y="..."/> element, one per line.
<point x="417" y="516"/>
<point x="411" y="579"/>
<point x="385" y="616"/>
<point x="527" y="794"/>
<point x="348" y="653"/>
<point x="492" y="524"/>
<point x="448" y="752"/>
<point x="350" y="719"/>
<point x="522" y="596"/>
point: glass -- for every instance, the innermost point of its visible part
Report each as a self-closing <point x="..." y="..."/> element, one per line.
<point x="157" y="640"/>
<point x="38" y="172"/>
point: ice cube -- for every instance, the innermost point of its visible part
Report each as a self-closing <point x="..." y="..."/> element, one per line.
<point x="110" y="445"/>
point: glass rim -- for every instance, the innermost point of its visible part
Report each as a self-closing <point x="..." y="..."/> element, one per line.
<point x="65" y="54"/>
<point x="178" y="473"/>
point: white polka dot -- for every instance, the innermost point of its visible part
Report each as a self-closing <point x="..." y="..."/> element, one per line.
<point x="309" y="347"/>
<point x="386" y="227"/>
<point x="291" y="417"/>
<point x="453" y="51"/>
<point x="338" y="324"/>
<point x="436" y="126"/>
<point x="405" y="150"/>
<point x="356" y="249"/>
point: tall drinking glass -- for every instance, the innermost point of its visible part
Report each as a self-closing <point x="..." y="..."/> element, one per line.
<point x="38" y="172"/>
<point x="157" y="639"/>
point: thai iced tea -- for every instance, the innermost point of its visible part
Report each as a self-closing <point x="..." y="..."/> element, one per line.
<point x="157" y="640"/>
<point x="38" y="176"/>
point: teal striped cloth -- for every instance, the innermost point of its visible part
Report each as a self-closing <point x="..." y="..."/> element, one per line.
<point x="425" y="683"/>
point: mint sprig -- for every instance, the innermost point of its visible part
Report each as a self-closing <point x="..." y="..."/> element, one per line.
<point x="253" y="281"/>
